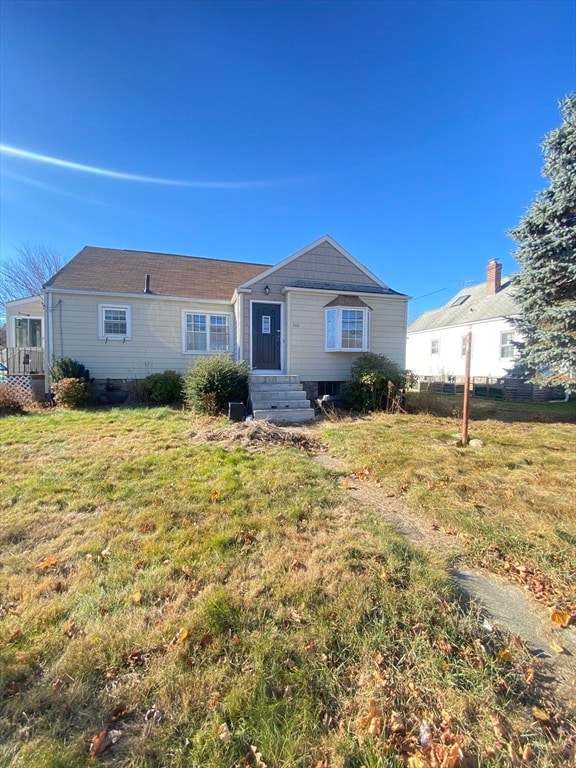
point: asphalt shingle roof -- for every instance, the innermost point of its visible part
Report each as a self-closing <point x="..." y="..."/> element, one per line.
<point x="117" y="271"/>
<point x="478" y="306"/>
<point x="348" y="287"/>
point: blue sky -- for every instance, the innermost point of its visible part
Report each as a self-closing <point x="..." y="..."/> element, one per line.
<point x="408" y="131"/>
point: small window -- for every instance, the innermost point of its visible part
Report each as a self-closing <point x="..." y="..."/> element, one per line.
<point x="266" y="324"/>
<point x="435" y="347"/>
<point x="28" y="331"/>
<point x="206" y="333"/>
<point x="347" y="330"/>
<point x="507" y="348"/>
<point x="460" y="300"/>
<point x="114" y="321"/>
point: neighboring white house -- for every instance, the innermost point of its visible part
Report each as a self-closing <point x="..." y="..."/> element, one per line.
<point x="126" y="314"/>
<point x="436" y="340"/>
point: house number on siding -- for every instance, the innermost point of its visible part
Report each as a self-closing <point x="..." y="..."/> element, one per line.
<point x="295" y="325"/>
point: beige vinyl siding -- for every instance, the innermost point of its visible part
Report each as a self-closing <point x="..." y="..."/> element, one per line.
<point x="320" y="264"/>
<point x="156" y="334"/>
<point x="306" y="327"/>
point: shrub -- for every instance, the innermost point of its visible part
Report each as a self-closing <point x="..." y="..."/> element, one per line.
<point x="71" y="393"/>
<point x="164" y="388"/>
<point x="376" y="383"/>
<point x="213" y="382"/>
<point x="10" y="403"/>
<point x="67" y="368"/>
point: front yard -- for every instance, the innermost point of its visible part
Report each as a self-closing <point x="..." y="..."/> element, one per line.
<point x="168" y="601"/>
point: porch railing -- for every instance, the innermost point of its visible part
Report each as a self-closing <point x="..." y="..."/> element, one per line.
<point x="16" y="361"/>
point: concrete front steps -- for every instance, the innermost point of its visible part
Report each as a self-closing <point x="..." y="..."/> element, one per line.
<point x="279" y="398"/>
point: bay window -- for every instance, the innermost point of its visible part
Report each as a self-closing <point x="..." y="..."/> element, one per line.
<point x="347" y="330"/>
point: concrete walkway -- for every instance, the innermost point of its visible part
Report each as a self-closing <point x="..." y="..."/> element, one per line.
<point x="505" y="605"/>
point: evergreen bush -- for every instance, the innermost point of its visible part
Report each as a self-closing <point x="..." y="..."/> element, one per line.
<point x="67" y="368"/>
<point x="376" y="383"/>
<point x="214" y="382"/>
<point x="164" y="388"/>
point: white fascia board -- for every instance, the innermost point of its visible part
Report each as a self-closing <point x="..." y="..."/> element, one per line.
<point x="19" y="302"/>
<point x="110" y="295"/>
<point x="302" y="251"/>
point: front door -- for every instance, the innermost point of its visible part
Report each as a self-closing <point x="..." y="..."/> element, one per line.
<point x="266" y="332"/>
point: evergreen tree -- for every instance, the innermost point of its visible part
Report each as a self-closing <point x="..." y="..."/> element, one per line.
<point x="546" y="286"/>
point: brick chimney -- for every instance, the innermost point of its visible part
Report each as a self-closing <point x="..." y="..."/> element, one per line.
<point x="493" y="277"/>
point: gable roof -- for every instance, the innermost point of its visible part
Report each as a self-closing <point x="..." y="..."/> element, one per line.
<point x="470" y="305"/>
<point x="112" y="270"/>
<point x="325" y="239"/>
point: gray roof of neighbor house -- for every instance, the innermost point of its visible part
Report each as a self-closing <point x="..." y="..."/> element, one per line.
<point x="111" y="270"/>
<point x="470" y="305"/>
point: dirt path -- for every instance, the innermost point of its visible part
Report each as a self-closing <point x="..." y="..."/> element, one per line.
<point x="505" y="605"/>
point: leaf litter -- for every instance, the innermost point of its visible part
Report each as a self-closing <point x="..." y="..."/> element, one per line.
<point x="257" y="436"/>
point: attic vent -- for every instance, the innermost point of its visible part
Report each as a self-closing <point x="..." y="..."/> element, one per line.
<point x="460" y="300"/>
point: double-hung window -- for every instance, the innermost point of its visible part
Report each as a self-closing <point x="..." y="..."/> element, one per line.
<point x="507" y="348"/>
<point x="206" y="332"/>
<point x="115" y="321"/>
<point x="435" y="347"/>
<point x="347" y="330"/>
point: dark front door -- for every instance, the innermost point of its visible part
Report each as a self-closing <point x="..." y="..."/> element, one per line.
<point x="266" y="337"/>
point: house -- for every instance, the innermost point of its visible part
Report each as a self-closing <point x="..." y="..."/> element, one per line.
<point x="436" y="340"/>
<point x="298" y="325"/>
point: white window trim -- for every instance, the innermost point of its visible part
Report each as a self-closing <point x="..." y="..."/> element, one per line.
<point x="509" y="344"/>
<point x="115" y="336"/>
<point x="227" y="315"/>
<point x="365" y="329"/>
<point x="28" y="317"/>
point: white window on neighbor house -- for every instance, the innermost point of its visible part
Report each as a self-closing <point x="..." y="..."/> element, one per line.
<point x="115" y="321"/>
<point x="347" y="330"/>
<point x="507" y="348"/>
<point x="206" y="332"/>
<point x="435" y="347"/>
<point x="27" y="331"/>
<point x="463" y="346"/>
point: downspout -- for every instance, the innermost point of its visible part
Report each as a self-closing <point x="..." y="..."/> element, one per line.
<point x="49" y="342"/>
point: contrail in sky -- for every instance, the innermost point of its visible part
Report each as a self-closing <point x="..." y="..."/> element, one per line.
<point x="24" y="154"/>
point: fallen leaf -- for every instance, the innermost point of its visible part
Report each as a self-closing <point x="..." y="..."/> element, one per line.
<point x="541" y="715"/>
<point x="505" y="655"/>
<point x="103" y="741"/>
<point x="561" y="618"/>
<point x="215" y="495"/>
<point x="180" y="637"/>
<point x="557" y="647"/>
<point x="118" y="712"/>
<point x="14" y="636"/>
<point x="397" y="724"/>
<point x="47" y="562"/>
<point x="224" y="732"/>
<point x="137" y="597"/>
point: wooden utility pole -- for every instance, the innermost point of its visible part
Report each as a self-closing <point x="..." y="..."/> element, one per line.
<point x="466" y="401"/>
